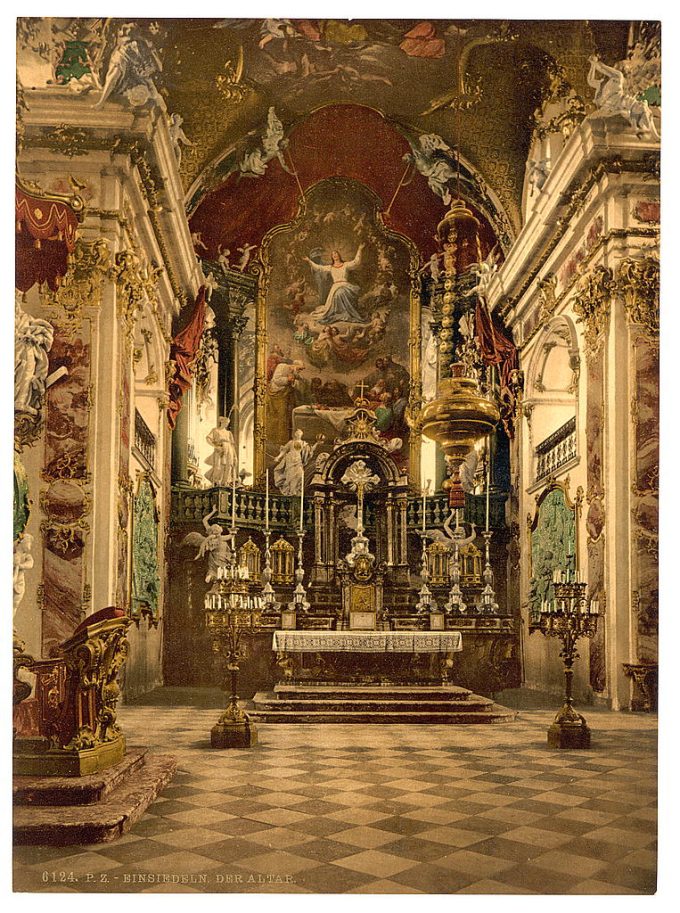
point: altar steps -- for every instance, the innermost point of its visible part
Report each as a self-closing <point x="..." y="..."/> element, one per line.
<point x="376" y="704"/>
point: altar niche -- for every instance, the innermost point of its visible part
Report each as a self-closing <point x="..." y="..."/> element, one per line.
<point x="384" y="518"/>
<point x="338" y="306"/>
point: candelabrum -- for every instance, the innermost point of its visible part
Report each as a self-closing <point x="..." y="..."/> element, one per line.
<point x="488" y="605"/>
<point x="300" y="603"/>
<point x="455" y="605"/>
<point x="569" y="616"/>
<point x="426" y="604"/>
<point x="269" y="602"/>
<point x="232" y="613"/>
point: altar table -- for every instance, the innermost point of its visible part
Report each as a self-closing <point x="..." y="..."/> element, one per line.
<point x="367" y="642"/>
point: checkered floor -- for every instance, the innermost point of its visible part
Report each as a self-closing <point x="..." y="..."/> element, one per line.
<point x="380" y="809"/>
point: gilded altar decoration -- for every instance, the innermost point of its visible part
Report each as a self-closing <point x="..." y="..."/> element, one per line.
<point x="592" y="305"/>
<point x="145" y="558"/>
<point x="638" y="284"/>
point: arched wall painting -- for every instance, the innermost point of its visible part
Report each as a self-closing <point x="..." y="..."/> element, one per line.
<point x="320" y="334"/>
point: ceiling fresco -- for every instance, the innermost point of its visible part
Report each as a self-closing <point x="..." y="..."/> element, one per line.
<point x="270" y="107"/>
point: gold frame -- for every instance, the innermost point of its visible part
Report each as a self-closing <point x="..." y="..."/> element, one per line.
<point x="261" y="338"/>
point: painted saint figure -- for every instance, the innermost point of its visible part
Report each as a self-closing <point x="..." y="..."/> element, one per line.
<point x="341" y="302"/>
<point x="222" y="461"/>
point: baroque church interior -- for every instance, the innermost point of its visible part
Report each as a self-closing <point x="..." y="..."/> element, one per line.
<point x="336" y="456"/>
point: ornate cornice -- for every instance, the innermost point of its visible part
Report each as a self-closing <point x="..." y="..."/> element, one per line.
<point x="574" y="198"/>
<point x="592" y="304"/>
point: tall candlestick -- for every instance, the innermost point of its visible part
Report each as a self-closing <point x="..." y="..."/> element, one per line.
<point x="488" y="484"/>
<point x="302" y="499"/>
<point x="233" y="503"/>
<point x="424" y="507"/>
<point x="266" y="502"/>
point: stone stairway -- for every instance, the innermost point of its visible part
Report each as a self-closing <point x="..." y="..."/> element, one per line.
<point x="99" y="808"/>
<point x="349" y="703"/>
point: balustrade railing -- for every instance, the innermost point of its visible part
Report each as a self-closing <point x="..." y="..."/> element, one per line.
<point x="190" y="505"/>
<point x="556" y="450"/>
<point x="145" y="440"/>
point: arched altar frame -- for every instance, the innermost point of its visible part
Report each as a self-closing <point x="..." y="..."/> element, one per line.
<point x="325" y="484"/>
<point x="415" y="330"/>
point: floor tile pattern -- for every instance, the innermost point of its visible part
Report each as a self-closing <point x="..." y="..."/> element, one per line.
<point x="380" y="809"/>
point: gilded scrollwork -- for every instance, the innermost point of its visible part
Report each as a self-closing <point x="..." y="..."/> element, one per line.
<point x="137" y="283"/>
<point x="547" y="289"/>
<point x="82" y="286"/>
<point x="638" y="285"/>
<point x="592" y="305"/>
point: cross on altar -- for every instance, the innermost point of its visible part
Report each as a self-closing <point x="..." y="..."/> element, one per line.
<point x="362" y="389"/>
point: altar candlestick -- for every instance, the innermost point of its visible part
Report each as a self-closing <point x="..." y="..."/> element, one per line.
<point x="488" y="485"/>
<point x="233" y="503"/>
<point x="266" y="502"/>
<point x="424" y="506"/>
<point x="302" y="499"/>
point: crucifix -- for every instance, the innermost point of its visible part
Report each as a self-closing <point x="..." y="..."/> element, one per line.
<point x="362" y="389"/>
<point x="359" y="478"/>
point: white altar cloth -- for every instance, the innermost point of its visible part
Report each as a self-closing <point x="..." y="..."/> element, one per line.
<point x="367" y="641"/>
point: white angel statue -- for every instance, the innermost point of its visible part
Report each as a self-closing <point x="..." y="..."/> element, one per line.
<point x="611" y="99"/>
<point x="273" y="143"/>
<point x="132" y="65"/>
<point x="215" y="544"/>
<point x="433" y="159"/>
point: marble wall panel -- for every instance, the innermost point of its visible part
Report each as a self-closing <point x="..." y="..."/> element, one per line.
<point x="65" y="501"/>
<point x="645" y="496"/>
<point x="595" y="514"/>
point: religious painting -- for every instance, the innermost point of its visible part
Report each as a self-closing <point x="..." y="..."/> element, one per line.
<point x="335" y="323"/>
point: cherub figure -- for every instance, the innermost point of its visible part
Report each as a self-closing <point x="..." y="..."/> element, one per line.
<point x="178" y="136"/>
<point x="215" y="544"/>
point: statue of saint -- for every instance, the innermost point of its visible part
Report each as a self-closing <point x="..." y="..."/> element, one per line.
<point x="289" y="465"/>
<point x="23" y="561"/>
<point x="32" y="341"/>
<point x="223" y="461"/>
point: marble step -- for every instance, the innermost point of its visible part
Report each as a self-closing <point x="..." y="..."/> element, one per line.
<point x="495" y="714"/>
<point x="342" y="691"/>
<point x="61" y="825"/>
<point x="75" y="790"/>
<point x="269" y="701"/>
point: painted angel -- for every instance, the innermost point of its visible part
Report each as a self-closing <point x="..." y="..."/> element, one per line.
<point x="273" y="143"/>
<point x="214" y="544"/>
<point x="433" y="159"/>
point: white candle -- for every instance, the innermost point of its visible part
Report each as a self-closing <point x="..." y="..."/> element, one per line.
<point x="266" y="502"/>
<point x="233" y="503"/>
<point x="488" y="486"/>
<point x="302" y="498"/>
<point x="424" y="506"/>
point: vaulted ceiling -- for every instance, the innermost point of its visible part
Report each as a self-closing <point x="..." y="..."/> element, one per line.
<point x="223" y="75"/>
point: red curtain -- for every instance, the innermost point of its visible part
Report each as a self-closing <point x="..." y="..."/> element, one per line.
<point x="45" y="236"/>
<point x="498" y="349"/>
<point x="183" y="351"/>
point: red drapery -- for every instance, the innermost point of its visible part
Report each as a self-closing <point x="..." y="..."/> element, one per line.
<point x="498" y="349"/>
<point x="183" y="352"/>
<point x="45" y="236"/>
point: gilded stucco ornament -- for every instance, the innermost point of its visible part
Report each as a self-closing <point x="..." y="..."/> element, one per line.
<point x="547" y="288"/>
<point x="638" y="285"/>
<point x="592" y="304"/>
<point x="81" y="287"/>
